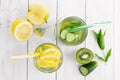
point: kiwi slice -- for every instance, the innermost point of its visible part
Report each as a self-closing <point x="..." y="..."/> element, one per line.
<point x="84" y="56"/>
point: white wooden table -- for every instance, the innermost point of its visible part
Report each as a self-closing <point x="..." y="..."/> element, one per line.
<point x="89" y="10"/>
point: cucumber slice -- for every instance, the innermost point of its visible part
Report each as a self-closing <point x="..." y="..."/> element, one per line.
<point x="84" y="56"/>
<point x="70" y="37"/>
<point x="88" y="68"/>
<point x="63" y="34"/>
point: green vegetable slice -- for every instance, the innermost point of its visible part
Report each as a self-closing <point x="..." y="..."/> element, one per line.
<point x="63" y="34"/>
<point x="86" y="69"/>
<point x="108" y="55"/>
<point x="70" y="37"/>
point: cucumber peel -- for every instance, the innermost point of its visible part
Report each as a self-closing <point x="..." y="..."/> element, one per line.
<point x="86" y="69"/>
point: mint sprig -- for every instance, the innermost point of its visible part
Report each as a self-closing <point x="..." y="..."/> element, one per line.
<point x="106" y="57"/>
<point x="100" y="38"/>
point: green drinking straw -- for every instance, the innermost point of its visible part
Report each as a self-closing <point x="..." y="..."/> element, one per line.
<point x="88" y="26"/>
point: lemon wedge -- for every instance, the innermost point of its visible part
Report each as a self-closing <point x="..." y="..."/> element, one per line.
<point x="22" y="30"/>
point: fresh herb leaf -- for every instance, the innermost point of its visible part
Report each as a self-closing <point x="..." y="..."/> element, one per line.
<point x="108" y="55"/>
<point x="101" y="43"/>
<point x="100" y="58"/>
<point x="100" y="38"/>
<point x="40" y="31"/>
<point x="96" y="35"/>
<point x="75" y="23"/>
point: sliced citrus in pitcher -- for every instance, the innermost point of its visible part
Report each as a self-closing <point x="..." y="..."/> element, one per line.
<point x="22" y="30"/>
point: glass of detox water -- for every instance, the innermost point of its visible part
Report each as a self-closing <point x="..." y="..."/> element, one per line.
<point x="50" y="57"/>
<point x="72" y="38"/>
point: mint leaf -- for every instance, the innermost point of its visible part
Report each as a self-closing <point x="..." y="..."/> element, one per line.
<point x="100" y="38"/>
<point x="96" y="35"/>
<point x="39" y="31"/>
<point x="100" y="58"/>
<point x="108" y="55"/>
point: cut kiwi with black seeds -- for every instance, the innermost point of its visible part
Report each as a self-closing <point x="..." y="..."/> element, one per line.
<point x="84" y="56"/>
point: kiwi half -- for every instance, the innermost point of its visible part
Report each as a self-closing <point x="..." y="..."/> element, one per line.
<point x="84" y="56"/>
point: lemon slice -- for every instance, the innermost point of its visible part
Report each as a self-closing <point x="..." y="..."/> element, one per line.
<point x="48" y="64"/>
<point x="50" y="58"/>
<point x="55" y="54"/>
<point x="22" y="30"/>
<point x="50" y="50"/>
<point x="49" y="61"/>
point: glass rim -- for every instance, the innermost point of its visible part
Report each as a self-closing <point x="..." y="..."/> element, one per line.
<point x="76" y="18"/>
<point x="62" y="20"/>
<point x="34" y="59"/>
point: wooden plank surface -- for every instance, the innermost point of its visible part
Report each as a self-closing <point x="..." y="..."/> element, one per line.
<point x="11" y="70"/>
<point x="98" y="11"/>
<point x="35" y="41"/>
